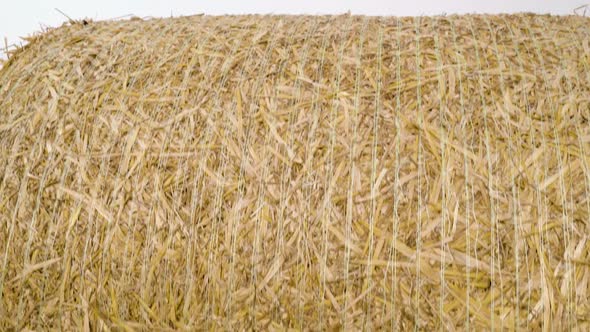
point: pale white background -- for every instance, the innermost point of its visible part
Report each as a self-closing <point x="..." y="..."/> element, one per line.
<point x="24" y="17"/>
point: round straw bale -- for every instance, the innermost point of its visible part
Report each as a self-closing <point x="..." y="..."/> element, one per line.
<point x="297" y="172"/>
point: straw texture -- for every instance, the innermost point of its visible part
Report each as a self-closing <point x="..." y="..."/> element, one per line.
<point x="305" y="172"/>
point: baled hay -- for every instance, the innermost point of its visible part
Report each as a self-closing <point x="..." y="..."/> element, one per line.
<point x="306" y="172"/>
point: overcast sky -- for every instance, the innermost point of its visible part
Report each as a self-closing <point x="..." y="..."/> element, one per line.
<point x="23" y="17"/>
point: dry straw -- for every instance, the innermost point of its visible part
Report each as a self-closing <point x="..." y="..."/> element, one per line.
<point x="305" y="172"/>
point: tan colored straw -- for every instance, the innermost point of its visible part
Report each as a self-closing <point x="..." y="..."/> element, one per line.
<point x="297" y="172"/>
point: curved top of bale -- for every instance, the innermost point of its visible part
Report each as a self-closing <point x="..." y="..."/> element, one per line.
<point x="270" y="172"/>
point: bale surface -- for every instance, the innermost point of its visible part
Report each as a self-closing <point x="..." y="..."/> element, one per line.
<point x="307" y="172"/>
